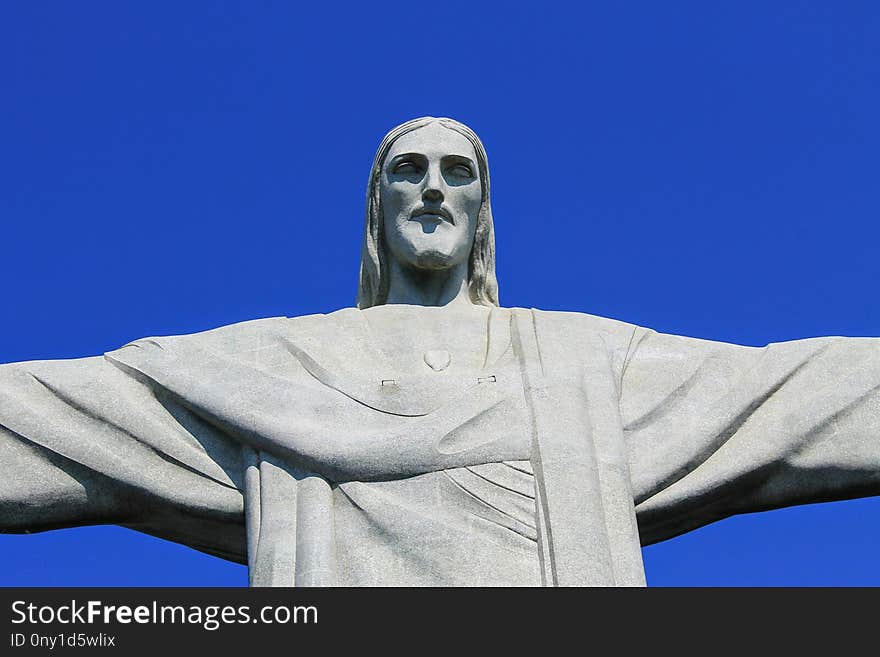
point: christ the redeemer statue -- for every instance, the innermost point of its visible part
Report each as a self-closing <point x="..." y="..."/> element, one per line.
<point x="430" y="436"/>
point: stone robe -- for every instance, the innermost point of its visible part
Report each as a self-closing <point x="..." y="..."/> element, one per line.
<point x="293" y="445"/>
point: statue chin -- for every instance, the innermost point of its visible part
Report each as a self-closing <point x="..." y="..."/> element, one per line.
<point x="434" y="255"/>
<point x="433" y="260"/>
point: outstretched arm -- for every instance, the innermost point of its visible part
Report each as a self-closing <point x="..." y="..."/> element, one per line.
<point x="82" y="442"/>
<point x="715" y="429"/>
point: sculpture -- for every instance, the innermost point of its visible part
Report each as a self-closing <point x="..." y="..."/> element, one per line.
<point x="430" y="436"/>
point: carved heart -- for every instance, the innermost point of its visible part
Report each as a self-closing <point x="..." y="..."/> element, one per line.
<point x="438" y="360"/>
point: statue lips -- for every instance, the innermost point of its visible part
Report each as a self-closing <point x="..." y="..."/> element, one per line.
<point x="434" y="214"/>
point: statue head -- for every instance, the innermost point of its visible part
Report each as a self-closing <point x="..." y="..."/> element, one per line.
<point x="428" y="208"/>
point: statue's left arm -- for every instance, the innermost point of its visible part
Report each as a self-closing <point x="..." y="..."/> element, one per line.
<point x="716" y="429"/>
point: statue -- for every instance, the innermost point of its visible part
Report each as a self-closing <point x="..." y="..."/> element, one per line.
<point x="430" y="436"/>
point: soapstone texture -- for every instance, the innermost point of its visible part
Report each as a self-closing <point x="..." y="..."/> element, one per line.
<point x="430" y="436"/>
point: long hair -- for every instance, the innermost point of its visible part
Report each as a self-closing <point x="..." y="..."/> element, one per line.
<point x="374" y="277"/>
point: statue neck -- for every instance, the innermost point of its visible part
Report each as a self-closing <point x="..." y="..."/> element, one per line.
<point x="423" y="287"/>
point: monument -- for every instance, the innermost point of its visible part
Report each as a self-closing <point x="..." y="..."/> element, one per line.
<point x="430" y="436"/>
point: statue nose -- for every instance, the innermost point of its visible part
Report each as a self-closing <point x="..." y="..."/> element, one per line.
<point x="432" y="194"/>
<point x="433" y="185"/>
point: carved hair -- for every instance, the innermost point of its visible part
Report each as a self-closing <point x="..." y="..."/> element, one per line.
<point x="374" y="279"/>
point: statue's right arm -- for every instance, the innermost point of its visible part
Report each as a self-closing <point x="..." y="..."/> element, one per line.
<point x="42" y="489"/>
<point x="83" y="442"/>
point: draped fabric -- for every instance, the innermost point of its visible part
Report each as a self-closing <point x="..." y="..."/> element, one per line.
<point x="215" y="439"/>
<point x="715" y="429"/>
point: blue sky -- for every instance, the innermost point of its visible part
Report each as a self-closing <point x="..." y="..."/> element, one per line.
<point x="706" y="169"/>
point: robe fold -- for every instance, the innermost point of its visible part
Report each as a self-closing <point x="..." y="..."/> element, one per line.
<point x="292" y="445"/>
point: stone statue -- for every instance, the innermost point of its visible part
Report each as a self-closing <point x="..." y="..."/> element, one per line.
<point x="430" y="436"/>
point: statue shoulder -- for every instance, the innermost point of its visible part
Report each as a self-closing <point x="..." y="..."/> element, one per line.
<point x="566" y="338"/>
<point x="230" y="339"/>
<point x="258" y="340"/>
<point x="576" y="325"/>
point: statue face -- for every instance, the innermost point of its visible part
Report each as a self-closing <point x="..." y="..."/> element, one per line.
<point x="431" y="198"/>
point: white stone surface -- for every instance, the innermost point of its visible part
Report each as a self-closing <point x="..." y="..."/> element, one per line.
<point x="430" y="436"/>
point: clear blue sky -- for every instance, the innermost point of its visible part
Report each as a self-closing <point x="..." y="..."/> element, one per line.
<point x="707" y="169"/>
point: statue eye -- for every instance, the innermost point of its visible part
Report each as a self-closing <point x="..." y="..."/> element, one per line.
<point x="407" y="167"/>
<point x="461" y="170"/>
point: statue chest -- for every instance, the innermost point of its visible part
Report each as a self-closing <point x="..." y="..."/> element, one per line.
<point x="383" y="423"/>
<point x="391" y="406"/>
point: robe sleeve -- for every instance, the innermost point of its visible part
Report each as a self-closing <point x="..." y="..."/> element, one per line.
<point x="82" y="442"/>
<point x="716" y="429"/>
